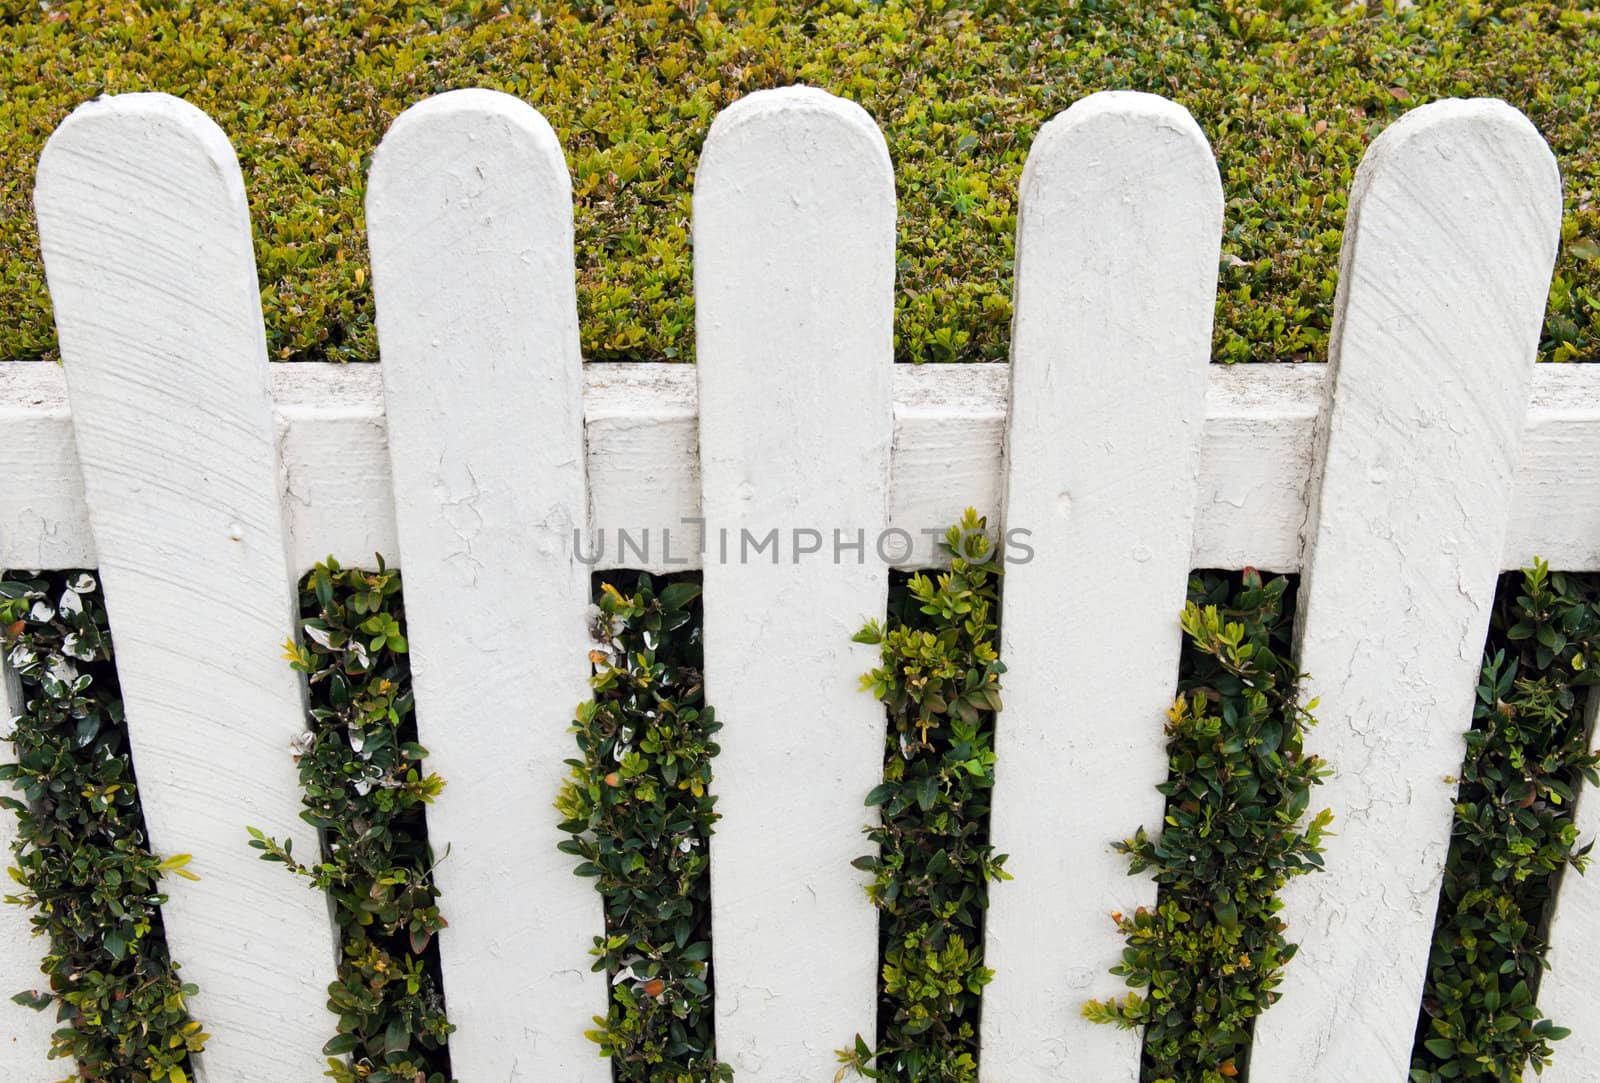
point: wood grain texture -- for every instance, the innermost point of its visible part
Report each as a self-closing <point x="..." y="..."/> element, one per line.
<point x="794" y="280"/>
<point x="1448" y="247"/>
<point x="469" y="213"/>
<point x="1118" y="233"/>
<point x="24" y="1033"/>
<point x="146" y="241"/>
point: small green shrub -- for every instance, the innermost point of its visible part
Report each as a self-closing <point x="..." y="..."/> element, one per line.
<point x="1526" y="754"/>
<point x="940" y="683"/>
<point x="361" y="770"/>
<point x="82" y="863"/>
<point x="1211" y="955"/>
<point x="1289" y="93"/>
<point x="639" y="811"/>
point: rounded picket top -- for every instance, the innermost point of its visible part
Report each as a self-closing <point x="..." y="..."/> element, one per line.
<point x="127" y="172"/>
<point x="789" y="123"/>
<point x="1438" y="148"/>
<point x="1452" y="180"/>
<point x="138" y="132"/>
<point x="797" y="176"/>
<point x="441" y="146"/>
<point x="1127" y="137"/>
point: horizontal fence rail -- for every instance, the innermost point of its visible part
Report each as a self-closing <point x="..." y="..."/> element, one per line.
<point x="641" y="430"/>
<point x="498" y="470"/>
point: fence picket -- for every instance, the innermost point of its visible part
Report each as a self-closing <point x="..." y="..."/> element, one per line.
<point x="24" y="1033"/>
<point x="1569" y="988"/>
<point x="1448" y="247"/>
<point x="1118" y="234"/>
<point x="146" y="241"/>
<point x="794" y="270"/>
<point x="469" y="213"/>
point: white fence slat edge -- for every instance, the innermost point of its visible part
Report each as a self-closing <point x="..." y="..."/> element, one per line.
<point x="1569" y="987"/>
<point x="1118" y="237"/>
<point x="24" y="1033"/>
<point x="469" y="213"/>
<point x="146" y="241"/>
<point x="794" y="219"/>
<point x="1448" y="248"/>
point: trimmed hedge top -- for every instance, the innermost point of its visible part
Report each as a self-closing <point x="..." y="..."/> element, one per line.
<point x="1290" y="93"/>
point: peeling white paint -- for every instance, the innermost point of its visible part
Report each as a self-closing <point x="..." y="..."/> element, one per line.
<point x="1449" y="243"/>
<point x="469" y="213"/>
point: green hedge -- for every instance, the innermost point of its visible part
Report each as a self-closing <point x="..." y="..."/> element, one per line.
<point x="939" y="680"/>
<point x="1211" y="955"/>
<point x="638" y="811"/>
<point x="1513" y="834"/>
<point x="1290" y="94"/>
<point x="365" y="790"/>
<point x="83" y="866"/>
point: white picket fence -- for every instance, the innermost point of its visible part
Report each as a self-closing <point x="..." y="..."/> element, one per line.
<point x="1399" y="479"/>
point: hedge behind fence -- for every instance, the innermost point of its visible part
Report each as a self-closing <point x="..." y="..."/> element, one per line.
<point x="1290" y="93"/>
<point x="1210" y="961"/>
<point x="639" y="813"/>
<point x="366" y="785"/>
<point x="80" y="862"/>
<point x="1514" y="833"/>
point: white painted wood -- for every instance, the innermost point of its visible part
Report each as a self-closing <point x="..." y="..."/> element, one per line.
<point x="469" y="213"/>
<point x="1569" y="988"/>
<point x="794" y="281"/>
<point x="24" y="1033"/>
<point x="43" y="520"/>
<point x="1118" y="236"/>
<point x="1448" y="247"/>
<point x="1255" y="462"/>
<point x="1552" y="514"/>
<point x="644" y="466"/>
<point x="146" y="241"/>
<point x="642" y="431"/>
<point x="333" y="440"/>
